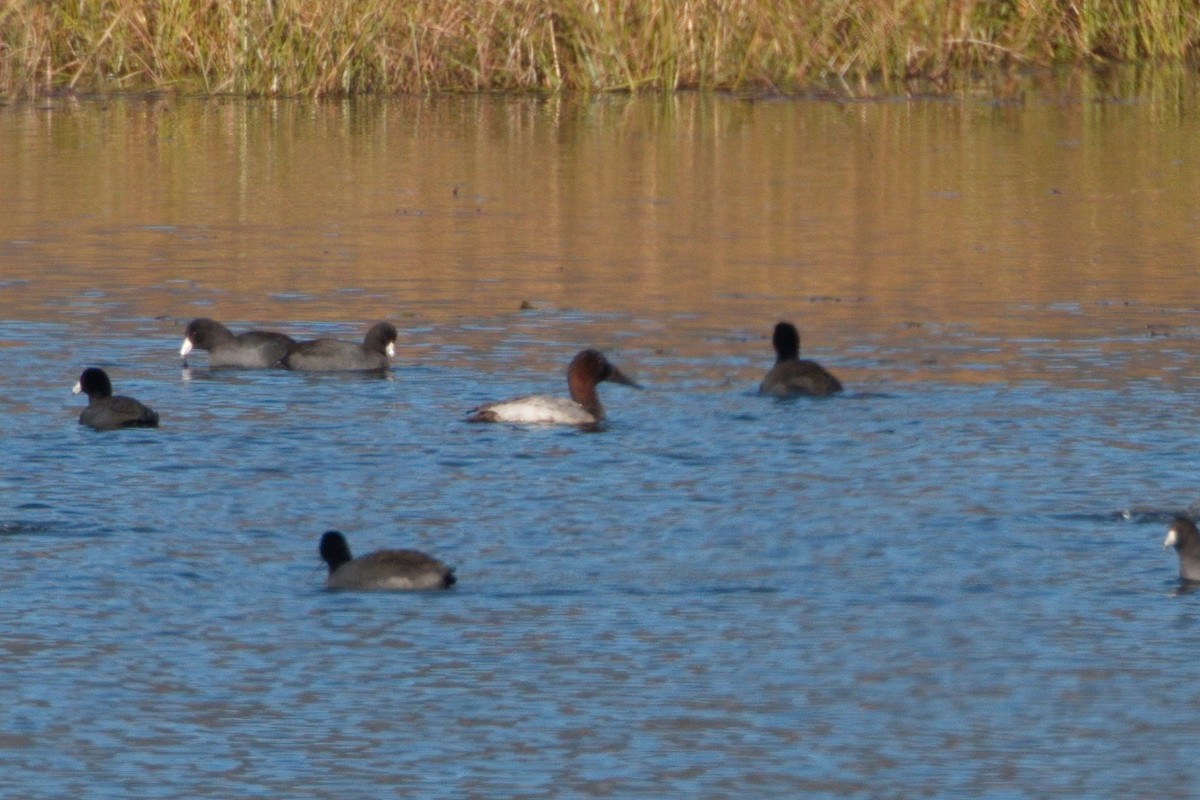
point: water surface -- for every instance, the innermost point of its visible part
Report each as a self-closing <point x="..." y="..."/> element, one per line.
<point x="945" y="582"/>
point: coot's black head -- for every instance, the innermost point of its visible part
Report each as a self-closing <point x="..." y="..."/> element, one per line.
<point x="381" y="338"/>
<point x="1181" y="534"/>
<point x="203" y="333"/>
<point x="94" y="383"/>
<point x="334" y="549"/>
<point x="786" y="341"/>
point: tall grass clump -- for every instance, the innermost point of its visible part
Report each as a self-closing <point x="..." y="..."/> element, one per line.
<point x="337" y="47"/>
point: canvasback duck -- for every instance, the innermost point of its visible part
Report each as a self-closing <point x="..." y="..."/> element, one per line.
<point x="333" y="355"/>
<point x="1182" y="535"/>
<point x="106" y="411"/>
<point x="383" y="569"/>
<point x="588" y="368"/>
<point x="793" y="375"/>
<point x="251" y="350"/>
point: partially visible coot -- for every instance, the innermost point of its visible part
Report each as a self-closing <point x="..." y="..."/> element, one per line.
<point x="1182" y="535"/>
<point x="334" y="355"/>
<point x="252" y="349"/>
<point x="383" y="569"/>
<point x="793" y="375"/>
<point x="106" y="411"/>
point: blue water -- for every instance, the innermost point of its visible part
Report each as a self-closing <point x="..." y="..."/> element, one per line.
<point x="919" y="588"/>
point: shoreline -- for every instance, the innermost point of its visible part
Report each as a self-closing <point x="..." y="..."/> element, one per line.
<point x="287" y="48"/>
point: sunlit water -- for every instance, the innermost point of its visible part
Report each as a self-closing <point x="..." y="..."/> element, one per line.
<point x="945" y="582"/>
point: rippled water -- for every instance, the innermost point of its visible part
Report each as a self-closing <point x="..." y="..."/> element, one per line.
<point x="945" y="582"/>
<point x="923" y="588"/>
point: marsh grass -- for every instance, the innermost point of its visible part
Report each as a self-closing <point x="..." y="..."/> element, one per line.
<point x="334" y="47"/>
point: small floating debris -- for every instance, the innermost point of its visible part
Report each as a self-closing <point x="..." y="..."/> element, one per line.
<point x="830" y="298"/>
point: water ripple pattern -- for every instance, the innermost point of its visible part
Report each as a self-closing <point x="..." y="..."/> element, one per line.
<point x="928" y="590"/>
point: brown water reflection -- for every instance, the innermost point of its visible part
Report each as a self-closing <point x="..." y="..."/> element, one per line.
<point x="1061" y="218"/>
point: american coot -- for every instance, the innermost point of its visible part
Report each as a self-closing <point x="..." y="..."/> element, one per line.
<point x="588" y="368"/>
<point x="252" y="349"/>
<point x="106" y="412"/>
<point x="1182" y="535"/>
<point x="793" y="375"/>
<point x="383" y="569"/>
<point x="332" y="355"/>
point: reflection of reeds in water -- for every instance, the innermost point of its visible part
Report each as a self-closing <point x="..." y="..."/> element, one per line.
<point x="275" y="47"/>
<point x="269" y="212"/>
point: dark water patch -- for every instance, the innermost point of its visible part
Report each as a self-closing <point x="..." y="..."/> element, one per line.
<point x="700" y="590"/>
<point x="21" y="528"/>
<point x="533" y="593"/>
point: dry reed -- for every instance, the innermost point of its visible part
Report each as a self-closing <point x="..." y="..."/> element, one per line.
<point x="337" y="47"/>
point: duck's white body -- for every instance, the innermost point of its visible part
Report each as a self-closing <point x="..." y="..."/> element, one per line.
<point x="541" y="409"/>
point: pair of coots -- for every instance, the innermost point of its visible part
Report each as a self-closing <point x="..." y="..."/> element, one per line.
<point x="385" y="569"/>
<point x="265" y="349"/>
<point x="253" y="349"/>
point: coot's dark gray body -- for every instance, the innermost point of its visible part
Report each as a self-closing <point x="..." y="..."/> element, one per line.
<point x="334" y="355"/>
<point x="383" y="569"/>
<point x="249" y="350"/>
<point x="793" y="375"/>
<point x="106" y="411"/>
